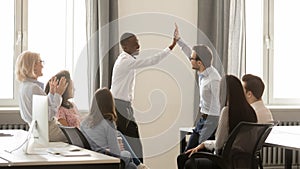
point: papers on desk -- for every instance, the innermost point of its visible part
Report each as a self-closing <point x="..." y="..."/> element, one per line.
<point x="68" y="152"/>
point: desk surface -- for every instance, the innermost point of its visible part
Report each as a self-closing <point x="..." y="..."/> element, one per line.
<point x="3" y="162"/>
<point x="19" y="158"/>
<point x="284" y="136"/>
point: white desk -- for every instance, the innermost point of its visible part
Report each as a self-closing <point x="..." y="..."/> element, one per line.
<point x="21" y="160"/>
<point x="3" y="163"/>
<point x="286" y="137"/>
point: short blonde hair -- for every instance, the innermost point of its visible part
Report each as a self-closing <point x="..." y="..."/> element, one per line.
<point x="25" y="65"/>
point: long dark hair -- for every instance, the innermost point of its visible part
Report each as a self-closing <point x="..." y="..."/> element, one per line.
<point x="239" y="108"/>
<point x="106" y="104"/>
<point x="102" y="107"/>
<point x="65" y="102"/>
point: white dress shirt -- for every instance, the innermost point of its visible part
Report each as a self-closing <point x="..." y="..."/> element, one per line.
<point x="209" y="85"/>
<point x="123" y="77"/>
<point x="27" y="89"/>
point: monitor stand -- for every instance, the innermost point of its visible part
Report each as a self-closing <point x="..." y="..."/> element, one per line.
<point x="32" y="147"/>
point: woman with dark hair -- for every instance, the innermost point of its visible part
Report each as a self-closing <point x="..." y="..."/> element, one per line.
<point x="99" y="127"/>
<point x="68" y="114"/>
<point x="236" y="109"/>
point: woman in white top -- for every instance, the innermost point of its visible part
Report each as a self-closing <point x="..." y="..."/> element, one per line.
<point x="29" y="67"/>
<point x="236" y="109"/>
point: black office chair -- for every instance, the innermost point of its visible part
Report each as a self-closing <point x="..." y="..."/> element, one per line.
<point x="242" y="147"/>
<point x="75" y="137"/>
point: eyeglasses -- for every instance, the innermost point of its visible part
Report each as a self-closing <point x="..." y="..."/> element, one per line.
<point x="42" y="62"/>
<point x="193" y="59"/>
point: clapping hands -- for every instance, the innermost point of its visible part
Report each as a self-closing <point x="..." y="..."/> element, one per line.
<point x="58" y="87"/>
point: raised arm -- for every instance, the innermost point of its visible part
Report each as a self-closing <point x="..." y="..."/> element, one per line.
<point x="175" y="39"/>
<point x="184" y="47"/>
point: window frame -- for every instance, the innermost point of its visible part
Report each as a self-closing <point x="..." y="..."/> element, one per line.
<point x="269" y="58"/>
<point x="18" y="35"/>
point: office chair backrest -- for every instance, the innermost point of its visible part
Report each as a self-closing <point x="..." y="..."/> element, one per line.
<point x="75" y="137"/>
<point x="240" y="150"/>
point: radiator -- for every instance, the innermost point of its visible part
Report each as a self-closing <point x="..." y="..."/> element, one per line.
<point x="274" y="156"/>
<point x="13" y="126"/>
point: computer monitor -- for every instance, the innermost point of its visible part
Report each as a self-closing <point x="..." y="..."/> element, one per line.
<point x="38" y="135"/>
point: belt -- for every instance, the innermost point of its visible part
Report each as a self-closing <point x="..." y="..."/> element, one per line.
<point x="204" y="116"/>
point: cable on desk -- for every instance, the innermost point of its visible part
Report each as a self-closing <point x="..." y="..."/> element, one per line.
<point x="17" y="147"/>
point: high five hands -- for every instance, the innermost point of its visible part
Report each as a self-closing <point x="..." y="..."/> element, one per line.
<point x="176" y="33"/>
<point x="175" y="37"/>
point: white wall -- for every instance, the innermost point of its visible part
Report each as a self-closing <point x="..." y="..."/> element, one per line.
<point x="164" y="92"/>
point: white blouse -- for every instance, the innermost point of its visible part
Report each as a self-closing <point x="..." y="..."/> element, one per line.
<point x="27" y="89"/>
<point x="222" y="132"/>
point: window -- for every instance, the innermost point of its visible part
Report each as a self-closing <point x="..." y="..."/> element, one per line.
<point x="47" y="33"/>
<point x="254" y="26"/>
<point x="271" y="39"/>
<point x="285" y="51"/>
<point x="7" y="49"/>
<point x="55" y="29"/>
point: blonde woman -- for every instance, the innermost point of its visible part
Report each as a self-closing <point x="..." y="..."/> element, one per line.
<point x="29" y="66"/>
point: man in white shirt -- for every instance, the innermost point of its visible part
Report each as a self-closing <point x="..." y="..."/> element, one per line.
<point x="201" y="58"/>
<point x="122" y="88"/>
<point x="254" y="88"/>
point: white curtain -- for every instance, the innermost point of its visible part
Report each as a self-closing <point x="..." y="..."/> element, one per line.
<point x="236" y="38"/>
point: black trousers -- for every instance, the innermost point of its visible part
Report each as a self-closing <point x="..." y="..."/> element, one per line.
<point x="200" y="163"/>
<point x="184" y="162"/>
<point x="181" y="160"/>
<point x="128" y="127"/>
